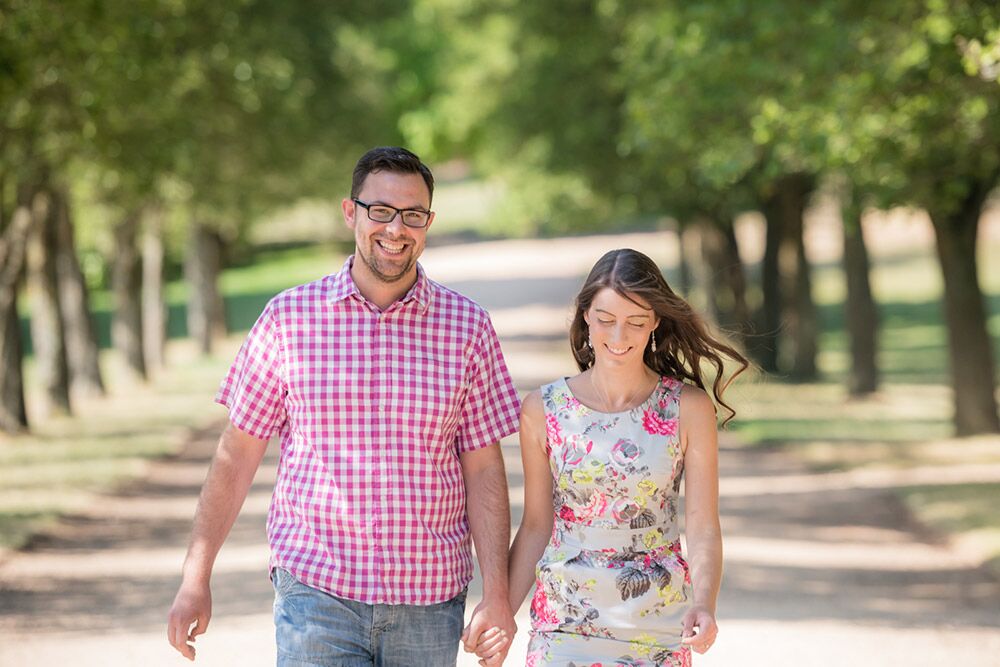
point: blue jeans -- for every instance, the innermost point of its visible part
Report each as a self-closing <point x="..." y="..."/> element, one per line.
<point x="314" y="629"/>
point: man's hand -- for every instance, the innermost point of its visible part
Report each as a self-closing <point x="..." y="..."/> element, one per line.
<point x="233" y="466"/>
<point x="490" y="632"/>
<point x="189" y="617"/>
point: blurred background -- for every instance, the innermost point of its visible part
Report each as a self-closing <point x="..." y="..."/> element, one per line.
<point x="819" y="179"/>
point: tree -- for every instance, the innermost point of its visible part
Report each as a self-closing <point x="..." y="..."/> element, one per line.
<point x="15" y="224"/>
<point x="860" y="311"/>
<point x="74" y="301"/>
<point x="47" y="329"/>
<point x="930" y="136"/>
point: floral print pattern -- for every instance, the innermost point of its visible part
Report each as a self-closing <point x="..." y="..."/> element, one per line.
<point x="612" y="585"/>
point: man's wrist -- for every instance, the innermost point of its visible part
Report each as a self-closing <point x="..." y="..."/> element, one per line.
<point x="496" y="593"/>
<point x="196" y="574"/>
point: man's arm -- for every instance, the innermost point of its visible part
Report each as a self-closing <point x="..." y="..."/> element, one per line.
<point x="488" y="506"/>
<point x="233" y="468"/>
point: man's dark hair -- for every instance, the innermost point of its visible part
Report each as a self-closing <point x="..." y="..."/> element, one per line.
<point x="393" y="159"/>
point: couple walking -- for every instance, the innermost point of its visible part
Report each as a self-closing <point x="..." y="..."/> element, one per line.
<point x="390" y="394"/>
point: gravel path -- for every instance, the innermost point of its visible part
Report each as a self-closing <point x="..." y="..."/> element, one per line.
<point x="820" y="569"/>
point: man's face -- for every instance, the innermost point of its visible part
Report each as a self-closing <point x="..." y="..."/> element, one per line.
<point x="389" y="250"/>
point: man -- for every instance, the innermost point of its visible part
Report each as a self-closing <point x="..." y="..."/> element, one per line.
<point x="390" y="394"/>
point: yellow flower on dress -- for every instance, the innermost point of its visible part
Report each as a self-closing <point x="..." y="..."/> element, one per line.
<point x="581" y="476"/>
<point x="648" y="487"/>
<point x="643" y="644"/>
<point x="652" y="539"/>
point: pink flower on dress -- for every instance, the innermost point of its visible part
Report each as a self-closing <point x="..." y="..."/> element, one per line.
<point x="531" y="660"/>
<point x="542" y="610"/>
<point x="625" y="451"/>
<point x="594" y="507"/>
<point x="656" y="425"/>
<point x="623" y="509"/>
<point x="576" y="448"/>
<point x="552" y="431"/>
<point x="566" y="513"/>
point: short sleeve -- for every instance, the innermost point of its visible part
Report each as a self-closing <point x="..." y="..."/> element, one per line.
<point x="491" y="404"/>
<point x="254" y="390"/>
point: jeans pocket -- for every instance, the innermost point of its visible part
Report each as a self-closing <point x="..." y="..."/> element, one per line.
<point x="283" y="581"/>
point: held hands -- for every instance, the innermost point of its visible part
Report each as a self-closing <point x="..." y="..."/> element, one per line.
<point x="704" y="621"/>
<point x="192" y="607"/>
<point x="490" y="632"/>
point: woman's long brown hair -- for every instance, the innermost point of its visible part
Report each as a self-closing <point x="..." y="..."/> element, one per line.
<point x="682" y="338"/>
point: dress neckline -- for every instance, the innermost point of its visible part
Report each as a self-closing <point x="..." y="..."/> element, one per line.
<point x="644" y="403"/>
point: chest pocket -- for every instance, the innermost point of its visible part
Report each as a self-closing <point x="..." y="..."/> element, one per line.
<point x="432" y="386"/>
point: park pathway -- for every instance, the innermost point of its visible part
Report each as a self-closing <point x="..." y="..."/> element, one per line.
<point x="821" y="569"/>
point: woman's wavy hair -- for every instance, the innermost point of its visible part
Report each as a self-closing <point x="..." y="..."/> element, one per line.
<point x="683" y="341"/>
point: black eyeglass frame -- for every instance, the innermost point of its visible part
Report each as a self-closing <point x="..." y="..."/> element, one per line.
<point x="397" y="211"/>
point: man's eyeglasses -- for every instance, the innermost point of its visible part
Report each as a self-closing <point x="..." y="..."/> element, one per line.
<point x="411" y="217"/>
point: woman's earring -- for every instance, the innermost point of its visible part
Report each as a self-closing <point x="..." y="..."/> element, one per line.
<point x="652" y="342"/>
<point x="590" y="345"/>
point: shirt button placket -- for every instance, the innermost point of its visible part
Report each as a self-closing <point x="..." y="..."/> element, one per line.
<point x="385" y="408"/>
<point x="378" y="437"/>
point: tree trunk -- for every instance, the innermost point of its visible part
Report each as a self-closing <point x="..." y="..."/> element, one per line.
<point x="46" y="314"/>
<point x="973" y="374"/>
<point x="860" y="311"/>
<point x="13" y="415"/>
<point x="126" y="277"/>
<point x="727" y="283"/>
<point x="786" y="205"/>
<point x="763" y="344"/>
<point x="81" y="337"/>
<point x="700" y="291"/>
<point x="684" y="265"/>
<point x="154" y="308"/>
<point x="205" y="311"/>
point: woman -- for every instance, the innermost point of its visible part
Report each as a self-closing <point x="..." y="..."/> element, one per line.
<point x="604" y="452"/>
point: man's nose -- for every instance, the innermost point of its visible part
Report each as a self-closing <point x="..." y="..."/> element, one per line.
<point x="396" y="224"/>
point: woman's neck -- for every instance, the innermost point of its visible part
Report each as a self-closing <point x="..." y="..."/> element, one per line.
<point x="622" y="387"/>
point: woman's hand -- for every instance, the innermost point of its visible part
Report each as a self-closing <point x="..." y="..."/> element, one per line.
<point x="492" y="647"/>
<point x="707" y="630"/>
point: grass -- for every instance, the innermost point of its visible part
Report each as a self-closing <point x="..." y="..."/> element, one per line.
<point x="968" y="512"/>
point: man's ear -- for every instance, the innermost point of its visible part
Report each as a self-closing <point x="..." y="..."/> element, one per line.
<point x="349" y="209"/>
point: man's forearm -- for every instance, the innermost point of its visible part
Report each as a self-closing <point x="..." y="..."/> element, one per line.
<point x="233" y="467"/>
<point x="488" y="506"/>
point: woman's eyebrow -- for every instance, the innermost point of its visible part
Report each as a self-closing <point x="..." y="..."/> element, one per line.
<point x="610" y="314"/>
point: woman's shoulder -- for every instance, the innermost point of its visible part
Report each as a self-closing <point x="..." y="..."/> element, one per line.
<point x="533" y="409"/>
<point x="695" y="401"/>
<point x="550" y="393"/>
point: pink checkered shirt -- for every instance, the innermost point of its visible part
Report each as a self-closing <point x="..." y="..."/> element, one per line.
<point x="373" y="408"/>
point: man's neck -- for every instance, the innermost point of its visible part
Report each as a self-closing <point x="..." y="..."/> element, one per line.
<point x="379" y="292"/>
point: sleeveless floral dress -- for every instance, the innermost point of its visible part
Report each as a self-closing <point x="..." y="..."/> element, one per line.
<point x="612" y="586"/>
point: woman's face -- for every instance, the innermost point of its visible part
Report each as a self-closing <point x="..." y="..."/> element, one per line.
<point x="619" y="327"/>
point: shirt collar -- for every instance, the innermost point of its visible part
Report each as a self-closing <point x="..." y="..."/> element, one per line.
<point x="342" y="286"/>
